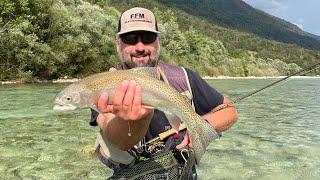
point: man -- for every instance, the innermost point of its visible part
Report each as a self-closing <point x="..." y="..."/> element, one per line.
<point x="126" y="125"/>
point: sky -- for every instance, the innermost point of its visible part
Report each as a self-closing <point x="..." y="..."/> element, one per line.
<point x="303" y="13"/>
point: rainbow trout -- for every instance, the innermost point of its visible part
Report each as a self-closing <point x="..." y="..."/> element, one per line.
<point x="156" y="93"/>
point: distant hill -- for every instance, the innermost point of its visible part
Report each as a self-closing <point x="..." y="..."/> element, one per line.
<point x="240" y="16"/>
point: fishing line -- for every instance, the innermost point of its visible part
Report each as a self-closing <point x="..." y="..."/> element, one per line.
<point x="301" y="72"/>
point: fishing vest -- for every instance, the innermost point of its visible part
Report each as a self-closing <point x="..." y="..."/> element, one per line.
<point x="176" y="77"/>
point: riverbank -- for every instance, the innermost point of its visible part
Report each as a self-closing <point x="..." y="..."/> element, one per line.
<point x="205" y="77"/>
<point x="43" y="81"/>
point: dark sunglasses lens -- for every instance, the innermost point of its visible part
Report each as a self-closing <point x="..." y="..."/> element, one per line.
<point x="132" y="38"/>
<point x="129" y="38"/>
<point x="148" y="38"/>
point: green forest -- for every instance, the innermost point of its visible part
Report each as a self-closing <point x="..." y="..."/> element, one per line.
<point x="50" y="39"/>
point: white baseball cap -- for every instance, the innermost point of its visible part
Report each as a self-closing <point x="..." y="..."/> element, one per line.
<point x="137" y="19"/>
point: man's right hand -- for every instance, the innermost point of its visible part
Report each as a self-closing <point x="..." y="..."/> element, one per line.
<point x="126" y="103"/>
<point x="125" y="106"/>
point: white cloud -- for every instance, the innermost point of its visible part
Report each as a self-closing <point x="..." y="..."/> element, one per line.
<point x="299" y="23"/>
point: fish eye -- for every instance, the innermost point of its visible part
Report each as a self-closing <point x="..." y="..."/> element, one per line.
<point x="68" y="98"/>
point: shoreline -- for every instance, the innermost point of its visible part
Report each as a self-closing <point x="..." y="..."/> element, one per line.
<point x="72" y="80"/>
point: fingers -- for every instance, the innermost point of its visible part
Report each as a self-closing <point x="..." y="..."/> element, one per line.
<point x="103" y="105"/>
<point x="136" y="104"/>
<point x="129" y="96"/>
<point x="185" y="142"/>
<point x="102" y="102"/>
<point x="119" y="95"/>
<point x="127" y="101"/>
<point x="138" y="110"/>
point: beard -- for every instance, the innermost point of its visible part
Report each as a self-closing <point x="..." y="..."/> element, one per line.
<point x="128" y="63"/>
<point x="150" y="63"/>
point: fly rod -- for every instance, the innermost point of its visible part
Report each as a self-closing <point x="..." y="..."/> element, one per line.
<point x="305" y="70"/>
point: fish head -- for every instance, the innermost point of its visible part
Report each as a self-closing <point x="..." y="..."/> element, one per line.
<point x="73" y="97"/>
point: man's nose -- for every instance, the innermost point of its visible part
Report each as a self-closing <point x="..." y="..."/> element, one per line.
<point x="140" y="47"/>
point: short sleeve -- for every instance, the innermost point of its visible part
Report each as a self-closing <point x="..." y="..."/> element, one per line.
<point x="205" y="97"/>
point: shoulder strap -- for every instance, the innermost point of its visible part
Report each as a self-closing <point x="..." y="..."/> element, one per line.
<point x="176" y="77"/>
<point x="189" y="88"/>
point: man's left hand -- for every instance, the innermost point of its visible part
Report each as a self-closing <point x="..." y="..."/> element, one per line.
<point x="186" y="142"/>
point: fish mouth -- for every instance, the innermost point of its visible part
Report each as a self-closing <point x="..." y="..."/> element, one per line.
<point x="63" y="108"/>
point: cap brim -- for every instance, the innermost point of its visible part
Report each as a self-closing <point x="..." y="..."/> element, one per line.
<point x="137" y="29"/>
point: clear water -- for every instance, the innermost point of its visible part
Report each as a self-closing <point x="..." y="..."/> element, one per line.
<point x="277" y="135"/>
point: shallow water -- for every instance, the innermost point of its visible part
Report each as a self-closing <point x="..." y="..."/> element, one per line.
<point x="277" y="135"/>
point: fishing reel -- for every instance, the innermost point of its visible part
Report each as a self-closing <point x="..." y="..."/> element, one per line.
<point x="155" y="146"/>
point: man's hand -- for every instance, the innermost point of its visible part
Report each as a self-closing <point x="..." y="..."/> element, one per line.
<point x="125" y="106"/>
<point x="186" y="142"/>
<point x="126" y="103"/>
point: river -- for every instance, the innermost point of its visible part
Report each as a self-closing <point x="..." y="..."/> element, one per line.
<point x="277" y="135"/>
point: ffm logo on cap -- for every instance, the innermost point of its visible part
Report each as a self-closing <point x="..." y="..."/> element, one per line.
<point x="137" y="19"/>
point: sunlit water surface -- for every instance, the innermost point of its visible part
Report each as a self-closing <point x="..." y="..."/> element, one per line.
<point x="277" y="135"/>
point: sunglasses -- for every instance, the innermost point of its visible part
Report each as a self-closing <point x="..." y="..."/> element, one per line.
<point x="133" y="37"/>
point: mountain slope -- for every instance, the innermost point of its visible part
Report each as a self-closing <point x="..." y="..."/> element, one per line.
<point x="238" y="15"/>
